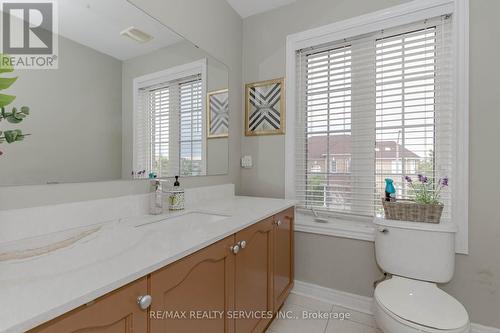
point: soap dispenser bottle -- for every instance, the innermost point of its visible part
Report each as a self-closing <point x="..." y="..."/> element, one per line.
<point x="176" y="196"/>
<point x="156" y="199"/>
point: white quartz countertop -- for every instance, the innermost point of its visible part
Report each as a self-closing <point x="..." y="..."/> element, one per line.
<point x="37" y="289"/>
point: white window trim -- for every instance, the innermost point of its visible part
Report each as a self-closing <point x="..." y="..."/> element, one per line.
<point x="171" y="74"/>
<point x="384" y="19"/>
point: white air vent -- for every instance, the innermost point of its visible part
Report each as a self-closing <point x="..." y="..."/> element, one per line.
<point x="136" y="35"/>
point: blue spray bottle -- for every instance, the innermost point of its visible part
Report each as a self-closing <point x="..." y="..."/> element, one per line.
<point x="390" y="191"/>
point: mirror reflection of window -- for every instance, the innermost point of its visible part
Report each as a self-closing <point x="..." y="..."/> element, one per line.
<point x="191" y="134"/>
<point x="168" y="122"/>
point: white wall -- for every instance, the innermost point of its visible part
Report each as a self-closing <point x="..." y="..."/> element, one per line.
<point x="74" y="121"/>
<point x="349" y="265"/>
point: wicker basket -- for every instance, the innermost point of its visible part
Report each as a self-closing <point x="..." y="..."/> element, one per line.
<point x="407" y="210"/>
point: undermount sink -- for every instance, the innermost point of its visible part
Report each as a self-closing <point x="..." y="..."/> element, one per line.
<point x="187" y="217"/>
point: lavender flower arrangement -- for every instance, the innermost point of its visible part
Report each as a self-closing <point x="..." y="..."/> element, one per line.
<point x="425" y="191"/>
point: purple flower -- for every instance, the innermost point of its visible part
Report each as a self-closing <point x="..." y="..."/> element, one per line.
<point x="422" y="178"/>
<point x="408" y="179"/>
<point x="444" y="181"/>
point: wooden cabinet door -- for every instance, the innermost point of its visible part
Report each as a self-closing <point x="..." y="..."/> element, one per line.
<point x="204" y="282"/>
<point x="283" y="256"/>
<point x="116" y="312"/>
<point x="253" y="278"/>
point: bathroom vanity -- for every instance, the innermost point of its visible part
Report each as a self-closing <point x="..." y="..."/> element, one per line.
<point x="251" y="270"/>
<point x="225" y="265"/>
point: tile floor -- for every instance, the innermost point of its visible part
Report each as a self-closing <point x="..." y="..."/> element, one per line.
<point x="297" y="323"/>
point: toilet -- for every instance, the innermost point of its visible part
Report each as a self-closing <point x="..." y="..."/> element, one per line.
<point x="418" y="256"/>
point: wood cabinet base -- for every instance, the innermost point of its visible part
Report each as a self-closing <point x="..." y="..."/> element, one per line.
<point x="195" y="293"/>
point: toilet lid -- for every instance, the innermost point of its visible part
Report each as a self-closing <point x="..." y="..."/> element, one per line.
<point x="422" y="303"/>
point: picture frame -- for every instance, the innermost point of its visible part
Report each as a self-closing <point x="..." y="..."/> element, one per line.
<point x="218" y="114"/>
<point x="265" y="108"/>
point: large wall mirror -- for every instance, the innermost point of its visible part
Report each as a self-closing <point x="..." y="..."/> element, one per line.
<point x="130" y="99"/>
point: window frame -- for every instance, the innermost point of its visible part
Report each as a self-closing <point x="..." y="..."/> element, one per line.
<point x="385" y="19"/>
<point x="198" y="67"/>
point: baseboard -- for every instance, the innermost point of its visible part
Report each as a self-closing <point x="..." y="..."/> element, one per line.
<point x="476" y="328"/>
<point x="347" y="300"/>
<point x="356" y="302"/>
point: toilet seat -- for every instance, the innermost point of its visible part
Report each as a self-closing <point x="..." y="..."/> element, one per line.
<point x="421" y="305"/>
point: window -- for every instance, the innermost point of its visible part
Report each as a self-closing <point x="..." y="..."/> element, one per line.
<point x="315" y="167"/>
<point x="191" y="128"/>
<point x="168" y="122"/>
<point x="387" y="92"/>
<point x="333" y="166"/>
<point x="157" y="105"/>
<point x="375" y="106"/>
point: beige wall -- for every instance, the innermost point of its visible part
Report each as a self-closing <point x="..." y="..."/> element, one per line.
<point x="349" y="264"/>
<point x="83" y="128"/>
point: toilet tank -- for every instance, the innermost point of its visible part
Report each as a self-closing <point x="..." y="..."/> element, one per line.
<point x="422" y="251"/>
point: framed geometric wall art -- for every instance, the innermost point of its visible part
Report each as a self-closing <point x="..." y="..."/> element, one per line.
<point x="265" y="108"/>
<point x="218" y="114"/>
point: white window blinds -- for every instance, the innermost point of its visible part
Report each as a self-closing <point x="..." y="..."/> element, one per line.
<point x="373" y="107"/>
<point x="168" y="116"/>
<point x="191" y="128"/>
<point x="152" y="131"/>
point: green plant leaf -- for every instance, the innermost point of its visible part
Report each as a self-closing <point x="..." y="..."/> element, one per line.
<point x="6" y="99"/>
<point x="19" y="116"/>
<point x="14" y="117"/>
<point x="13" y="135"/>
<point x="25" y="110"/>
<point x="13" y="120"/>
<point x="6" y="82"/>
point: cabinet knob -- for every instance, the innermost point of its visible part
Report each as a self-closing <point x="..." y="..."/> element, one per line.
<point x="278" y="223"/>
<point x="242" y="244"/>
<point x="235" y="249"/>
<point x="144" y="301"/>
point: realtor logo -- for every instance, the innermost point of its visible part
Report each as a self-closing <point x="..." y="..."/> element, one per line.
<point x="29" y="35"/>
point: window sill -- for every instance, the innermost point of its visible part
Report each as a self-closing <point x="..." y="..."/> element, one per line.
<point x="335" y="227"/>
